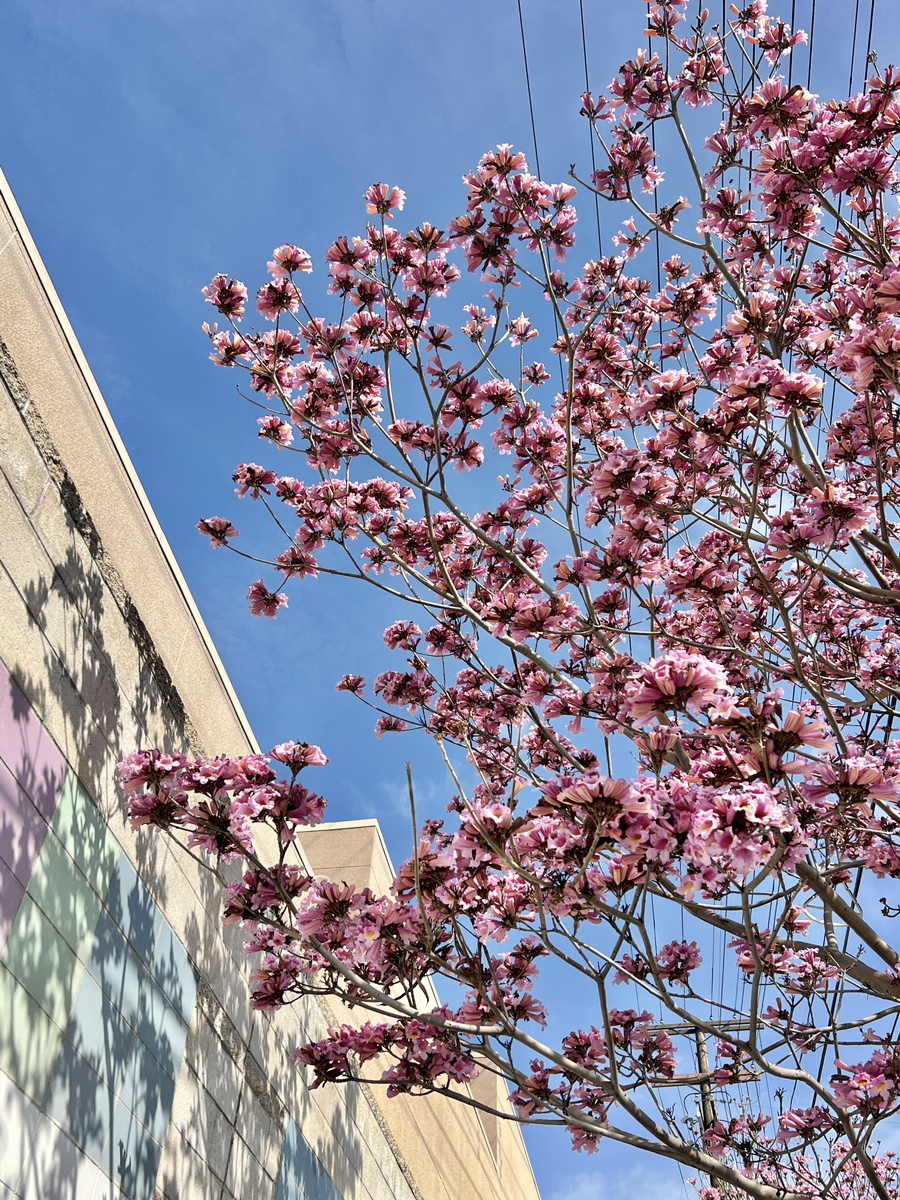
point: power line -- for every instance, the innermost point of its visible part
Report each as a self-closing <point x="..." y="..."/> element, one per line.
<point x="537" y="161"/>
<point x="853" y="49"/>
<point x="869" y="39"/>
<point x="793" y="29"/>
<point x="587" y="88"/>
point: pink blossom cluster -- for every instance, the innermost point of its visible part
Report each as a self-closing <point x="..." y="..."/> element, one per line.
<point x="872" y="1086"/>
<point x="217" y="801"/>
<point x="422" y="1056"/>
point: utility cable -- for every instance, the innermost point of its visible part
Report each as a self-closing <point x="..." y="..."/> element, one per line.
<point x="853" y="49"/>
<point x="869" y="39"/>
<point x="793" y="28"/>
<point x="587" y="88"/>
<point x="537" y="160"/>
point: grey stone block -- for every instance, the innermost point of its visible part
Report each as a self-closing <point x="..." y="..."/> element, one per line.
<point x="81" y="1102"/>
<point x="117" y="970"/>
<point x="99" y="1032"/>
<point x="132" y="908"/>
<point x="174" y="972"/>
<point x="161" y="1029"/>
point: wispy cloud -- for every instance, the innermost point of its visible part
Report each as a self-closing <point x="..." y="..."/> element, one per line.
<point x="601" y="1183"/>
<point x="431" y="796"/>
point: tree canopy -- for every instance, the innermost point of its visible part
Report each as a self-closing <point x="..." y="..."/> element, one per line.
<point x="660" y="655"/>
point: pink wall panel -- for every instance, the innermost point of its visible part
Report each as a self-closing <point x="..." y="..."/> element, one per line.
<point x="27" y="749"/>
<point x="32" y="771"/>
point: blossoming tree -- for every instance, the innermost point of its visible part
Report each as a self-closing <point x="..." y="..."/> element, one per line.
<point x="661" y="658"/>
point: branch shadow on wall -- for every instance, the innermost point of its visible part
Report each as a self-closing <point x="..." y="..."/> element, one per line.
<point x="101" y="1019"/>
<point x="108" y="1080"/>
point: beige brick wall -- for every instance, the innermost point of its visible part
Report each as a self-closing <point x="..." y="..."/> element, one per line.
<point x="452" y="1149"/>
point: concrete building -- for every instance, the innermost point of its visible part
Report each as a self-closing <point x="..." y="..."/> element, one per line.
<point x="130" y="1061"/>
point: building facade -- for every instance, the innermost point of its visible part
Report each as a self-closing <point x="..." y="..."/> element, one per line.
<point x="131" y="1064"/>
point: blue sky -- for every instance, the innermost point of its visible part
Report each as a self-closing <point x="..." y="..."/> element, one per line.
<point x="151" y="143"/>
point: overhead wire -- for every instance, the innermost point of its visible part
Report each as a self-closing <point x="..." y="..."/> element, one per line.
<point x="869" y="38"/>
<point x="793" y="27"/>
<point x="853" y="48"/>
<point x="537" y="159"/>
<point x="587" y="88"/>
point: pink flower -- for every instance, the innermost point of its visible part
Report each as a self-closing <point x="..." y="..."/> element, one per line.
<point x="148" y="767"/>
<point x="264" y="603"/>
<point x="288" y="259"/>
<point x="253" y="479"/>
<point x="871" y="1085"/>
<point x="803" y="1123"/>
<point x="298" y="755"/>
<point x="297" y="562"/>
<point x="521" y="330"/>
<point x="677" y="960"/>
<point x="502" y="162"/>
<point x="854" y="780"/>
<point x="390" y="725"/>
<point x="403" y="635"/>
<point x="152" y="809"/>
<point x="274" y="430"/>
<point x="351" y="683"/>
<point x="228" y="296"/>
<point x="382" y="199"/>
<point x="801" y="392"/>
<point x="276" y="298"/>
<point x="677" y="682"/>
<point x="229" y="347"/>
<point x="218" y="530"/>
